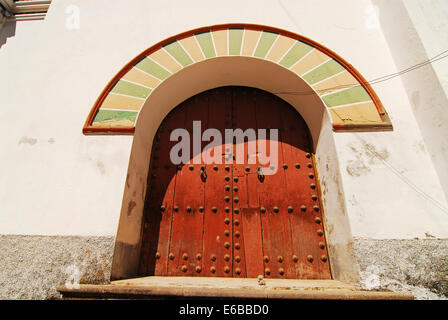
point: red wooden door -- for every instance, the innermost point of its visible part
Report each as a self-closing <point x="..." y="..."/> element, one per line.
<point x="229" y="219"/>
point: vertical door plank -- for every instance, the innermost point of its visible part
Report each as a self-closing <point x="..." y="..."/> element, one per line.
<point x="275" y="225"/>
<point x="159" y="200"/>
<point x="303" y="195"/>
<point x="187" y="226"/>
<point x="217" y="251"/>
<point x="248" y="215"/>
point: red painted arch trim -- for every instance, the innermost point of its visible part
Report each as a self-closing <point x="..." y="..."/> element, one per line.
<point x="89" y="129"/>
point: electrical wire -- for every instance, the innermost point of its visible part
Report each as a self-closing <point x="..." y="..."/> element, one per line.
<point x="441" y="55"/>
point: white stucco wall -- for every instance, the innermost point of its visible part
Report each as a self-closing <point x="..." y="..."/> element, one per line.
<point x="56" y="181"/>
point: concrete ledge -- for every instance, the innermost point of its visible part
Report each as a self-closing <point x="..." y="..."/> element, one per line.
<point x="186" y="287"/>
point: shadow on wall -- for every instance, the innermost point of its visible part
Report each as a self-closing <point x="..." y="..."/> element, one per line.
<point x="7" y="30"/>
<point x="422" y="85"/>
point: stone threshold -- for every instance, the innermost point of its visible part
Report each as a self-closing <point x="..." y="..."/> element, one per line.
<point x="225" y="288"/>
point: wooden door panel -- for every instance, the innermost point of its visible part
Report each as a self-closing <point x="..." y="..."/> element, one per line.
<point x="188" y="212"/>
<point x="228" y="219"/>
<point x="248" y="248"/>
<point x="301" y="184"/>
<point x="217" y="251"/>
<point x="275" y="221"/>
<point x="159" y="200"/>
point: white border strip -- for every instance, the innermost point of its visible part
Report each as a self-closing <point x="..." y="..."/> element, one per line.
<point x="136" y="83"/>
<point x="315" y="67"/>
<point x="352" y="104"/>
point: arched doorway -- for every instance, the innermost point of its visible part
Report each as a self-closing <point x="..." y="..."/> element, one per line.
<point x="229" y="219"/>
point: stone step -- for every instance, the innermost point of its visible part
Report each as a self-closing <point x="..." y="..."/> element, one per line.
<point x="209" y="287"/>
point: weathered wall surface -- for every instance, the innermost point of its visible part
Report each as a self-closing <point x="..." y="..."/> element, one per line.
<point x="416" y="266"/>
<point x="31" y="267"/>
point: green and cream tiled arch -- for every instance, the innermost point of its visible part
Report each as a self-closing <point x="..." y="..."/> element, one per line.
<point x="350" y="100"/>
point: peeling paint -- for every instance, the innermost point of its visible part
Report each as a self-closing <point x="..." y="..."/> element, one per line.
<point x="27" y="140"/>
<point x="100" y="166"/>
<point x="131" y="206"/>
<point x="366" y="155"/>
